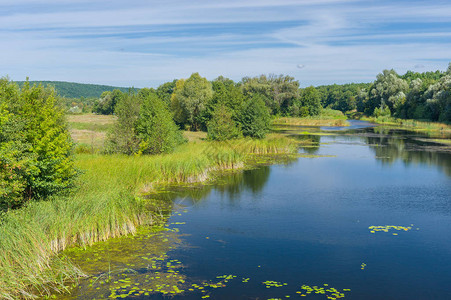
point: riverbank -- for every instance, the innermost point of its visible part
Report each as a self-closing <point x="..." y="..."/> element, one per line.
<point x="107" y="203"/>
<point x="414" y="125"/>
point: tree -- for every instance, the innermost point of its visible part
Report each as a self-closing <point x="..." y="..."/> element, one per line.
<point x="222" y="126"/>
<point x="144" y="126"/>
<point x="35" y="145"/>
<point x="278" y="92"/>
<point x="165" y="91"/>
<point x="122" y="138"/>
<point x="189" y="100"/>
<point x="106" y="104"/>
<point x="254" y="117"/>
<point x="310" y="98"/>
<point x="156" y="131"/>
<point x="389" y="90"/>
<point x="438" y="103"/>
<point x="226" y="93"/>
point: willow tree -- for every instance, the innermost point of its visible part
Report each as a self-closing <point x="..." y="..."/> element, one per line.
<point x="388" y="90"/>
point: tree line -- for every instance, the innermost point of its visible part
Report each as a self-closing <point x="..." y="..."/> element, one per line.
<point x="422" y="96"/>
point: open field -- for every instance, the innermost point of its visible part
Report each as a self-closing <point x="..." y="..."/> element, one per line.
<point x="89" y="131"/>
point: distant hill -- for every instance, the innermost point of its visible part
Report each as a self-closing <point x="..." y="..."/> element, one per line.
<point x="77" y="90"/>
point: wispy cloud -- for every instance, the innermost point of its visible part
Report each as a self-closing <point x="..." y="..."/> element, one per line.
<point x="144" y="43"/>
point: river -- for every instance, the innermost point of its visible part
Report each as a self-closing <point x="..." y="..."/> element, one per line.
<point x="369" y="218"/>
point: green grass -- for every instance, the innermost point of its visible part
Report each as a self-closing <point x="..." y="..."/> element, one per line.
<point x="327" y="117"/>
<point x="411" y="124"/>
<point x="310" y="121"/>
<point x="106" y="204"/>
<point x="88" y="126"/>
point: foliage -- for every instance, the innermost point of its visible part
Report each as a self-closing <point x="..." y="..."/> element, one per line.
<point x="144" y="125"/>
<point x="226" y="93"/>
<point x="106" y="104"/>
<point x="388" y="90"/>
<point x="189" y="100"/>
<point x="382" y="111"/>
<point x="254" y="117"/>
<point x="341" y="97"/>
<point x="123" y="138"/>
<point x="165" y="91"/>
<point x="278" y="92"/>
<point x="35" y="145"/>
<point x="222" y="127"/>
<point x="77" y="90"/>
<point x="421" y="96"/>
<point x="310" y="98"/>
<point x="156" y="131"/>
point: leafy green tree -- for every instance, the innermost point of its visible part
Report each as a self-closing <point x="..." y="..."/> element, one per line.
<point x="438" y="103"/>
<point x="389" y="90"/>
<point x="35" y="145"/>
<point x="225" y="92"/>
<point x="254" y="117"/>
<point x="310" y="98"/>
<point x="144" y="126"/>
<point x="222" y="126"/>
<point x="106" y="104"/>
<point x="278" y="92"/>
<point x="189" y="100"/>
<point x="156" y="131"/>
<point x="165" y="91"/>
<point x="123" y="138"/>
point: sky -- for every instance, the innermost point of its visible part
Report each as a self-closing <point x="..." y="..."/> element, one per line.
<point x="144" y="43"/>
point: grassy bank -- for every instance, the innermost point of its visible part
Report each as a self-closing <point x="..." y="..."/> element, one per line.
<point x="328" y="117"/>
<point x="106" y="204"/>
<point x="415" y="125"/>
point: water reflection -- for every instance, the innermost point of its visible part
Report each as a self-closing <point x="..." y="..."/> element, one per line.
<point x="388" y="145"/>
<point x="392" y="146"/>
<point x="229" y="185"/>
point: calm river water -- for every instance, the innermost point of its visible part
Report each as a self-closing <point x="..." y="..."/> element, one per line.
<point x="302" y="229"/>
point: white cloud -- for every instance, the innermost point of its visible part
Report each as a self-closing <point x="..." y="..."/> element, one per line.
<point x="55" y="44"/>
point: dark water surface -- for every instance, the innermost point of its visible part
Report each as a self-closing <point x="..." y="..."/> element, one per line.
<point x="307" y="223"/>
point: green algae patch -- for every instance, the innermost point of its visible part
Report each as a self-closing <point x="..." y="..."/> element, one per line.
<point x="329" y="292"/>
<point x="389" y="228"/>
<point x="270" y="284"/>
<point x="129" y="266"/>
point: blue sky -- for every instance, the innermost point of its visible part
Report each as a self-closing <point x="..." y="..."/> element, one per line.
<point x="145" y="43"/>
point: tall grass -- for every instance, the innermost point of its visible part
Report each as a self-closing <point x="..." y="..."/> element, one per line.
<point x="106" y="204"/>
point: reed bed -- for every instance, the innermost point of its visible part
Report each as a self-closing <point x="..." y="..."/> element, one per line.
<point x="106" y="204"/>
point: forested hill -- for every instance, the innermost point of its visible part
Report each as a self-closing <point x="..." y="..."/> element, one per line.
<point x="78" y="90"/>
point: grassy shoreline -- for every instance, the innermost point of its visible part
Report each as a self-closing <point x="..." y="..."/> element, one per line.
<point x="327" y="117"/>
<point x="106" y="204"/>
<point x="415" y="125"/>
